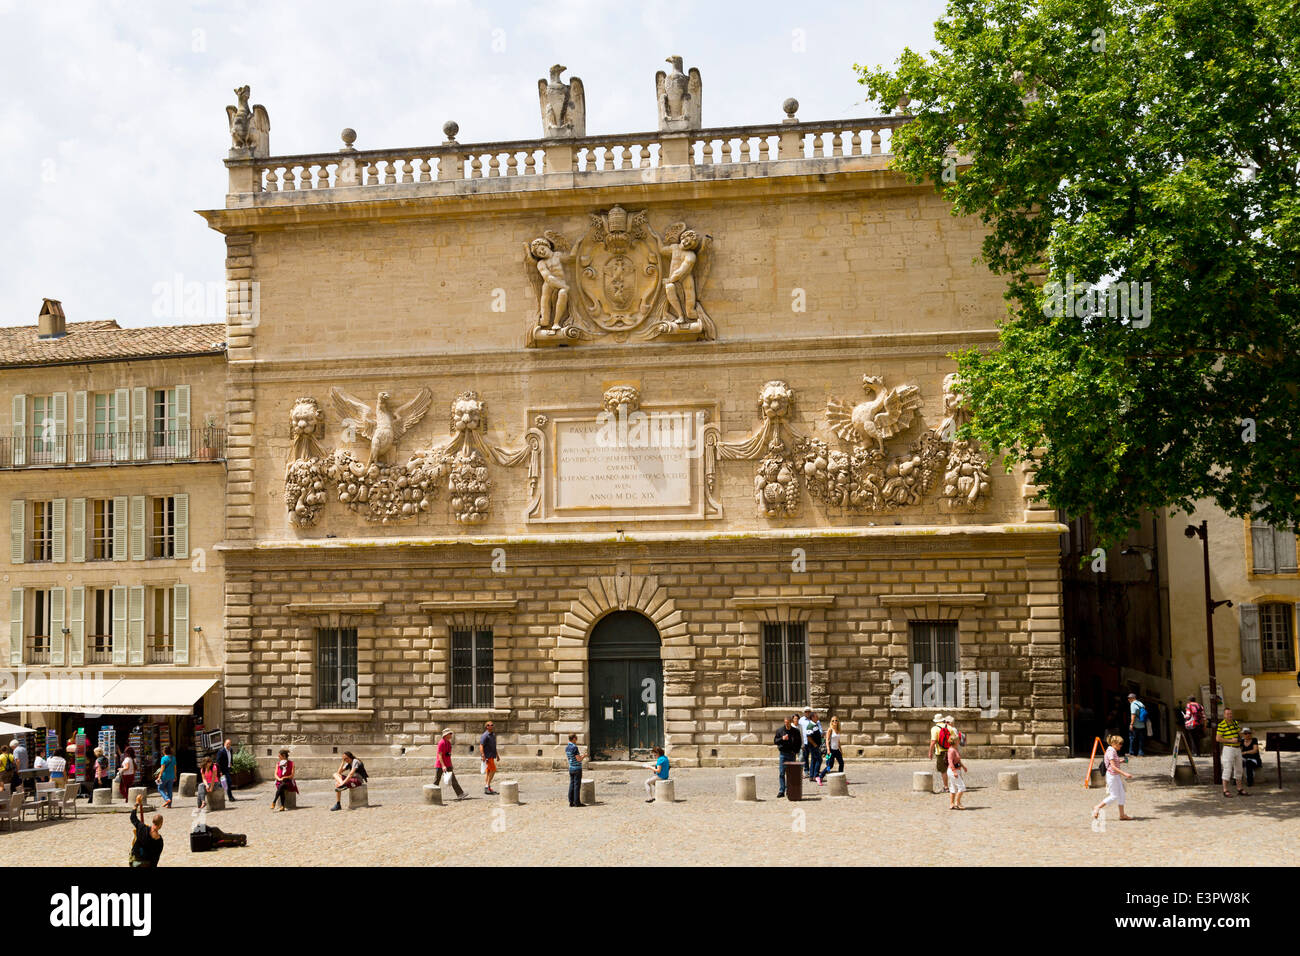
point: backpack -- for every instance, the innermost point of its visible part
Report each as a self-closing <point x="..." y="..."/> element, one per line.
<point x="945" y="737"/>
<point x="361" y="771"/>
<point x="1142" y="713"/>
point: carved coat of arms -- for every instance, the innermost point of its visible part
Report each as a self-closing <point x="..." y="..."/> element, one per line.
<point x="618" y="270"/>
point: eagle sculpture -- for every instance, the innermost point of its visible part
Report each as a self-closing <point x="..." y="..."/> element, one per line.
<point x="884" y="414"/>
<point x="249" y="128"/>
<point x="564" y="105"/>
<point x="383" y="424"/>
<point x="678" y="95"/>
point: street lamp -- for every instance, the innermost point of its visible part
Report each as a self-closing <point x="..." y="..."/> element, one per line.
<point x="1202" y="531"/>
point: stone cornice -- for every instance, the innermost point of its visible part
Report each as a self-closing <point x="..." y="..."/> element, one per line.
<point x="950" y="598"/>
<point x="448" y="607"/>
<point x="761" y="601"/>
<point x="335" y="607"/>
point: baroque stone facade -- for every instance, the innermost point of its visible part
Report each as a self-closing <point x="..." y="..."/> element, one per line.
<point x="735" y="511"/>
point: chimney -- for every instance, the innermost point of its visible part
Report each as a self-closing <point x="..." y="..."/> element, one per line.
<point x="51" y="324"/>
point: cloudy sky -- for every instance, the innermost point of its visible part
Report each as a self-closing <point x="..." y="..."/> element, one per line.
<point x="114" y="128"/>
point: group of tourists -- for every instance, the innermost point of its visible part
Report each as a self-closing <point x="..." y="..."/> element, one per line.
<point x="946" y="742"/>
<point x="805" y="739"/>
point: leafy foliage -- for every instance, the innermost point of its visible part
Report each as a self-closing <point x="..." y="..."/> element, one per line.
<point x="1127" y="142"/>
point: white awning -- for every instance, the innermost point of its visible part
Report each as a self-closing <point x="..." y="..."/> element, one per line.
<point x="142" y="695"/>
<point x="8" y="730"/>
<point x="58" y="694"/>
<point x="114" y="695"/>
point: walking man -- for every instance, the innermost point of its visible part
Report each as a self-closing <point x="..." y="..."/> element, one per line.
<point x="1137" y="726"/>
<point x="805" y="726"/>
<point x="444" y="763"/>
<point x="1228" y="734"/>
<point x="487" y="752"/>
<point x="575" y="771"/>
<point x="225" y="766"/>
<point x="789" y="741"/>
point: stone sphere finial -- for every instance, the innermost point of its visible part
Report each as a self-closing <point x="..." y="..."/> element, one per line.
<point x="450" y="129"/>
<point x="791" y="106"/>
<point x="349" y="136"/>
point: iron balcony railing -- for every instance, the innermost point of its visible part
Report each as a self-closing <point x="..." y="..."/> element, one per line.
<point x="113" y="448"/>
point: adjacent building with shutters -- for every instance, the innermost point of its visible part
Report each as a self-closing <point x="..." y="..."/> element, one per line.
<point x="114" y="471"/>
<point x="1257" y="568"/>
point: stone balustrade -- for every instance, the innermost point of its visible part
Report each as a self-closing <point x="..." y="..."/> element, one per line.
<point x="517" y="162"/>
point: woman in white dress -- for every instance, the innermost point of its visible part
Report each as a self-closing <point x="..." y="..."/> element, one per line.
<point x="1115" y="775"/>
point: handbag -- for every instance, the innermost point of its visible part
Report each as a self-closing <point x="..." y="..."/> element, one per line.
<point x="482" y="767"/>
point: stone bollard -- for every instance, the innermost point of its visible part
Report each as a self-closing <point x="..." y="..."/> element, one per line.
<point x="217" y="799"/>
<point x="746" y="788"/>
<point x="189" y="784"/>
<point x="433" y="794"/>
<point x="1008" y="780"/>
<point x="509" y="793"/>
<point x="1097" y="778"/>
<point x="923" y="781"/>
<point x="137" y="792"/>
<point x="665" y="792"/>
<point x="103" y="797"/>
<point x="1184" y="775"/>
<point x="839" y="784"/>
<point x="291" y="799"/>
<point x="588" y="794"/>
<point x="355" y="797"/>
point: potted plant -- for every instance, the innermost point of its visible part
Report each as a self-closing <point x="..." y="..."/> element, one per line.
<point x="208" y="440"/>
<point x="243" y="768"/>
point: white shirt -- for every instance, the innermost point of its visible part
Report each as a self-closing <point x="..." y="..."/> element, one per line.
<point x="804" y="725"/>
<point x="40" y="763"/>
<point x="833" y="743"/>
<point x="57" y="766"/>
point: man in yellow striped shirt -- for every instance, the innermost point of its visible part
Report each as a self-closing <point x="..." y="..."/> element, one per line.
<point x="1228" y="734"/>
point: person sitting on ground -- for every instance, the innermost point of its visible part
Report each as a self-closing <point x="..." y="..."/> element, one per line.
<point x="350" y="775"/>
<point x="1250" y="755"/>
<point x="147" y="846"/>
<point x="284" y="779"/>
<point x="660" y="768"/>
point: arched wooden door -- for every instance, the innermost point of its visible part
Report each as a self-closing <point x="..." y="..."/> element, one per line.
<point x="626" y="687"/>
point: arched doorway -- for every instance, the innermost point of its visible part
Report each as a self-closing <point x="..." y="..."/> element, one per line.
<point x="626" y="687"/>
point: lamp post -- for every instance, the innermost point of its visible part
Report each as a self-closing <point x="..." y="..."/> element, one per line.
<point x="1202" y="531"/>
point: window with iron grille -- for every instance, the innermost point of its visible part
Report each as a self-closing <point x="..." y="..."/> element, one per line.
<point x="336" y="668"/>
<point x="162" y="534"/>
<point x="934" y="646"/>
<point x="42" y="530"/>
<point x="1277" y="637"/>
<point x="785" y="663"/>
<point x="101" y="529"/>
<point x="471" y="667"/>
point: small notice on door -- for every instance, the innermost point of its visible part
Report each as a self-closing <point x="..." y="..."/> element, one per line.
<point x="609" y="713"/>
<point x="651" y="710"/>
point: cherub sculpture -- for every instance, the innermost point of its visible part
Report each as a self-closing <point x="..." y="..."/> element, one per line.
<point x="684" y="247"/>
<point x="550" y="253"/>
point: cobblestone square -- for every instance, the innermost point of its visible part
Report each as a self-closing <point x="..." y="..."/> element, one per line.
<point x="881" y="822"/>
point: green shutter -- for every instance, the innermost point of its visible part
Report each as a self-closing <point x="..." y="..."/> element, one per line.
<point x="16" y="626"/>
<point x="119" y="625"/>
<point x="137" y="528"/>
<point x="135" y="625"/>
<point x="181" y="624"/>
<point x="1252" y="659"/>
<point x="20" y="430"/>
<point x="80" y="442"/>
<point x="77" y="531"/>
<point x="77" y="625"/>
<point x="181" y="526"/>
<point x="120" y="509"/>
<point x="60" y="422"/>
<point x="182" y="423"/>
<point x="58" y="529"/>
<point x="17" y="533"/>
<point x="58" y="643"/>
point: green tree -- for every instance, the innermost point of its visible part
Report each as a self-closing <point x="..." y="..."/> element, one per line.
<point x="1138" y="143"/>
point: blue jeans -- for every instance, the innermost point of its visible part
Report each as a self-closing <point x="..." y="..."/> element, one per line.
<point x="1137" y="736"/>
<point x="165" y="788"/>
<point x="816" y="770"/>
<point x="575" y="787"/>
<point x="784" y="759"/>
<point x="831" y="757"/>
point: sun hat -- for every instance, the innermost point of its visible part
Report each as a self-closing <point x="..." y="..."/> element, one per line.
<point x="938" y="718"/>
<point x="448" y="732"/>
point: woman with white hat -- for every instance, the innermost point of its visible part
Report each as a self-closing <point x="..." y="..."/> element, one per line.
<point x="444" y="763"/>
